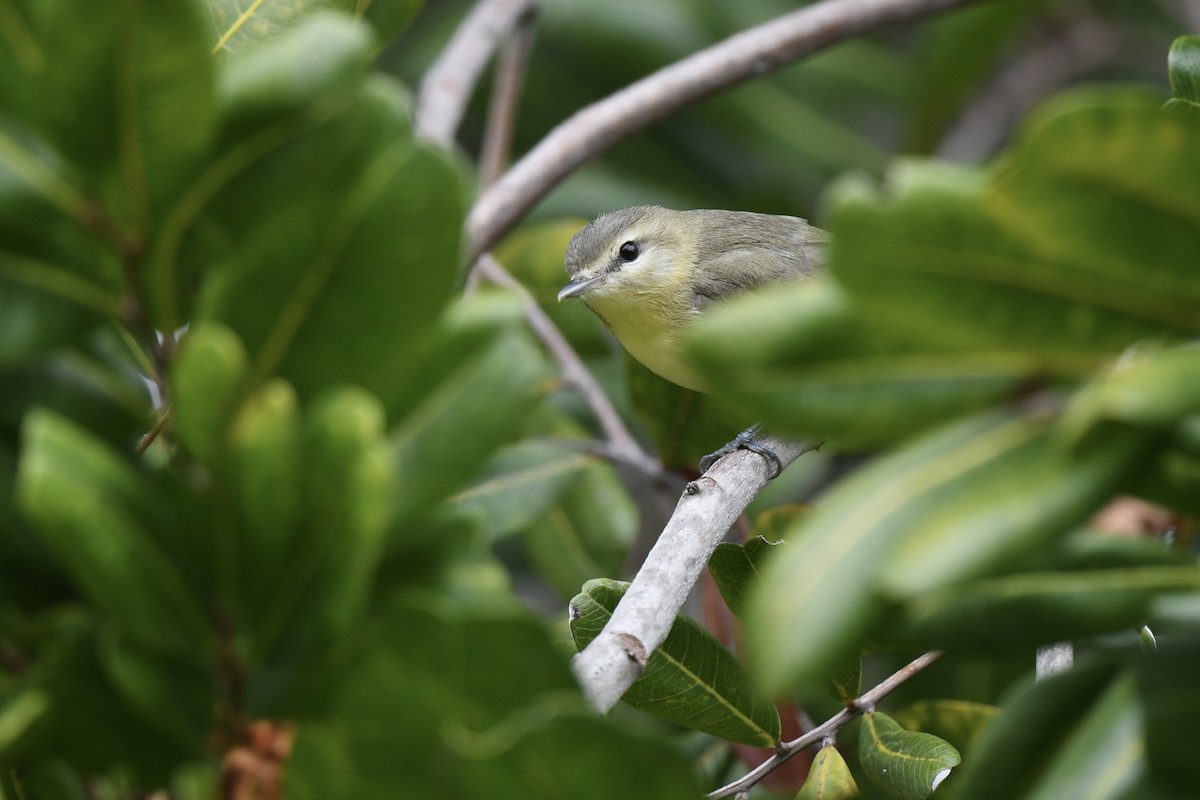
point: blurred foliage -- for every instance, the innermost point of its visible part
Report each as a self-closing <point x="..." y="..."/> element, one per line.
<point x="278" y="498"/>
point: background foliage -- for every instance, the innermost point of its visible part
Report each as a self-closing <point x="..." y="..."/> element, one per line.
<point x="270" y="481"/>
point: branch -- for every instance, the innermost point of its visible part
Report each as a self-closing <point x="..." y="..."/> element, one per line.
<point x="828" y="728"/>
<point x="506" y="94"/>
<point x="741" y="57"/>
<point x="709" y="506"/>
<point x="449" y="83"/>
<point x="624" y="444"/>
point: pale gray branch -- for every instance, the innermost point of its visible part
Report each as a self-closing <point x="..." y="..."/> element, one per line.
<point x="506" y="95"/>
<point x="743" y="56"/>
<point x="450" y="81"/>
<point x="641" y="621"/>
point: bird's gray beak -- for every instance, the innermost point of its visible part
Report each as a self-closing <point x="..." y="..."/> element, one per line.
<point x="578" y="287"/>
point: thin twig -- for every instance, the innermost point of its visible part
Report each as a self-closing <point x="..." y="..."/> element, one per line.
<point x="506" y="96"/>
<point x="743" y="56"/>
<point x="575" y="372"/>
<point x="827" y="729"/>
<point x="160" y="426"/>
<point x="709" y="506"/>
<point x="450" y="81"/>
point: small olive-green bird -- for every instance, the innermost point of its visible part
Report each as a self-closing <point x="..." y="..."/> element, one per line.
<point x="649" y="272"/>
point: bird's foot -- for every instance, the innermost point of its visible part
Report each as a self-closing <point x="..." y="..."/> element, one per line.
<point x="745" y="441"/>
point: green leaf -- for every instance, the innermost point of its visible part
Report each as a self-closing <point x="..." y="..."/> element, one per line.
<point x="239" y="28"/>
<point x="900" y="523"/>
<point x="1166" y="683"/>
<point x="1037" y="608"/>
<point x="905" y="764"/>
<point x="518" y="486"/>
<point x="266" y="469"/>
<point x="1148" y="387"/>
<point x="805" y="360"/>
<point x="829" y="778"/>
<point x="691" y="680"/>
<point x="959" y="722"/>
<point x="206" y="377"/>
<point x="1037" y="717"/>
<point x="294" y="76"/>
<point x="1105" y="754"/>
<point x="1183" y="66"/>
<point x="350" y="298"/>
<point x="978" y="527"/>
<point x="587" y="534"/>
<point x="88" y="506"/>
<point x="735" y="568"/>
<point x="468" y="392"/>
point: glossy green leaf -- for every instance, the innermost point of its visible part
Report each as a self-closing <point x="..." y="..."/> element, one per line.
<point x="474" y="392"/>
<point x="587" y="534"/>
<point x="959" y="722"/>
<point x="1037" y="717"/>
<point x="1166" y="685"/>
<point x="829" y="778"/>
<point x="907" y="765"/>
<point x="349" y="298"/>
<point x="266" y="468"/>
<point x="313" y="65"/>
<point x="1096" y="185"/>
<point x="1038" y="608"/>
<point x="85" y="502"/>
<point x="206" y="376"/>
<point x="1104" y="755"/>
<point x="978" y="527"/>
<point x="1147" y="387"/>
<point x="518" y="486"/>
<point x="1183" y="66"/>
<point x="691" y="680"/>
<point x="804" y="359"/>
<point x="735" y="568"/>
<point x="241" y="28"/>
<point x="927" y="515"/>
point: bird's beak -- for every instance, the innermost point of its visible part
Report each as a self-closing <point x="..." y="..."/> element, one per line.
<point x="578" y="287"/>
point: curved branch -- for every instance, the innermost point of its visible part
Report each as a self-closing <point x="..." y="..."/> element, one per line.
<point x="709" y="506"/>
<point x="740" y="57"/>
<point x="449" y="83"/>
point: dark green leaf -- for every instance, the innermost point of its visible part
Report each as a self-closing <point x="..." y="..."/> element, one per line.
<point x="86" y="503"/>
<point x="959" y="722"/>
<point x="349" y="298"/>
<point x="206" y="376"/>
<point x="1104" y="755"/>
<point x="829" y="778"/>
<point x="691" y="680"/>
<point x="907" y="765"/>
<point x="1183" y="66"/>
<point x="1166" y="680"/>
<point x="469" y="393"/>
<point x="587" y="534"/>
<point x="518" y="486"/>
<point x="1038" y="608"/>
<point x="735" y="568"/>
<point x="1037" y="717"/>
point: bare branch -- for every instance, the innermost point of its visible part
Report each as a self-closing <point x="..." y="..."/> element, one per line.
<point x="506" y="95"/>
<point x="449" y="83"/>
<point x="743" y="56"/>
<point x="641" y="621"/>
<point x="574" y="370"/>
<point x="828" y="728"/>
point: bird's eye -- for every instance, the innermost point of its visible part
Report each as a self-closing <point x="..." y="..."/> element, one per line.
<point x="628" y="251"/>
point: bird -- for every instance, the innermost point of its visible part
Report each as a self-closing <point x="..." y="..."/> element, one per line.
<point x="650" y="272"/>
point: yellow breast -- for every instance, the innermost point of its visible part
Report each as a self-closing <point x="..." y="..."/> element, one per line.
<point x="652" y="332"/>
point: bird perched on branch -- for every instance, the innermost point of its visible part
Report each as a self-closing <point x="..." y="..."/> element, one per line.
<point x="649" y="272"/>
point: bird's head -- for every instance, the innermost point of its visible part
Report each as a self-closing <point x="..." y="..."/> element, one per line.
<point x="629" y="254"/>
